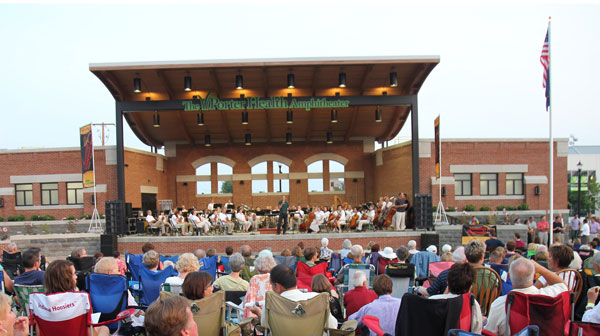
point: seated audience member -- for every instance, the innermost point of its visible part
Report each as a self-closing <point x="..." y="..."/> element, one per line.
<point x="521" y="273"/>
<point x="385" y="307"/>
<point x="248" y="271"/>
<point x="346" y="246"/>
<point x="186" y="264"/>
<point x="11" y="324"/>
<point x="559" y="258"/>
<point x="283" y="280"/>
<point x="325" y="251"/>
<point x="233" y="281"/>
<point x="260" y="283"/>
<point x="320" y="284"/>
<point x="518" y="242"/>
<point x="493" y="243"/>
<point x="460" y="279"/>
<point x="432" y="249"/>
<point x="374" y="255"/>
<point x="360" y="295"/>
<point x="511" y="246"/>
<point x="151" y="260"/>
<point x="197" y="285"/>
<point x="79" y="252"/>
<point x="592" y="310"/>
<point x="356" y="253"/>
<point x="412" y="248"/>
<point x="110" y="266"/>
<point x="170" y="316"/>
<point x="298" y="252"/>
<point x="446" y="248"/>
<point x="150" y="247"/>
<point x="286" y="253"/>
<point x="311" y="256"/>
<point x="446" y="256"/>
<point x="541" y="256"/>
<point x="122" y="266"/>
<point x="32" y="275"/>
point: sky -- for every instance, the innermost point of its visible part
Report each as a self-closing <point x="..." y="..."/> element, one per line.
<point x="488" y="83"/>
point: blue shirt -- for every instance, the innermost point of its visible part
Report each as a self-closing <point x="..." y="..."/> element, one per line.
<point x="31" y="278"/>
<point x="385" y="308"/>
<point x="440" y="284"/>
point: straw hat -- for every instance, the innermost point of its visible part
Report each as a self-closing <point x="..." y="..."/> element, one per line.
<point x="388" y="253"/>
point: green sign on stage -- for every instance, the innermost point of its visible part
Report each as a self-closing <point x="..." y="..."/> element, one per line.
<point x="259" y="103"/>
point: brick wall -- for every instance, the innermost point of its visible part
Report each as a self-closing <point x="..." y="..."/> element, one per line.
<point x="395" y="174"/>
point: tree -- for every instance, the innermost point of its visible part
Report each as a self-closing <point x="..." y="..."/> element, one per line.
<point x="589" y="197"/>
<point x="227" y="187"/>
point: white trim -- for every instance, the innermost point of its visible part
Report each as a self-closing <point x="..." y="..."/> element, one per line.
<point x="545" y="140"/>
<point x="270" y="194"/>
<point x="49" y="178"/>
<point x="489" y="198"/>
<point x="368" y="145"/>
<point x="446" y="180"/>
<point x="536" y="179"/>
<point x="281" y="176"/>
<point x="192" y="178"/>
<point x="101" y="188"/>
<point x="353" y="174"/>
<point x="379" y="158"/>
<point x="298" y="176"/>
<point x="159" y="163"/>
<point x="214" y="195"/>
<point x="490" y="168"/>
<point x="326" y="156"/>
<point x="213" y="158"/>
<point x="315" y="175"/>
<point x="562" y="148"/>
<point x="49" y="207"/>
<point x="242" y="177"/>
<point x="269" y="157"/>
<point x="343" y="192"/>
<point x="7" y="191"/>
<point x="425" y="148"/>
<point x="148" y="189"/>
<point x="255" y="177"/>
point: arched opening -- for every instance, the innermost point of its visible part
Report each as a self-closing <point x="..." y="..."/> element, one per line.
<point x="315" y="184"/>
<point x="203" y="184"/>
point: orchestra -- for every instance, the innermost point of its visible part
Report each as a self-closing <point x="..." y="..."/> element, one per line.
<point x="389" y="212"/>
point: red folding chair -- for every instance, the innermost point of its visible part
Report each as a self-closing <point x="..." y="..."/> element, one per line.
<point x="550" y="314"/>
<point x="435" y="269"/>
<point x="584" y="329"/>
<point x="305" y="273"/>
<point x="383" y="262"/>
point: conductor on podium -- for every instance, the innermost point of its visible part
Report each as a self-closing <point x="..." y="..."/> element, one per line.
<point x="283" y="206"/>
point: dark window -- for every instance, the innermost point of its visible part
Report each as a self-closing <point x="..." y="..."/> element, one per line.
<point x="514" y="184"/>
<point x="49" y="193"/>
<point x="488" y="184"/>
<point x="462" y="184"/>
<point x="74" y="193"/>
<point x="24" y="194"/>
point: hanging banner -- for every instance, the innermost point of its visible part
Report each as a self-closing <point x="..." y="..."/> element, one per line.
<point x="87" y="164"/>
<point x="437" y="147"/>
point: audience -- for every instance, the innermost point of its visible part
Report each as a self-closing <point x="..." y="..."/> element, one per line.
<point x="346" y="246"/>
<point x="360" y="295"/>
<point x="197" y="285"/>
<point x="110" y="266"/>
<point x="170" y="316"/>
<point x="518" y="242"/>
<point x="122" y="266"/>
<point x="592" y="310"/>
<point x="32" y="275"/>
<point x="248" y="271"/>
<point x="325" y="251"/>
<point x="151" y="260"/>
<point x="233" y="281"/>
<point x="186" y="264"/>
<point x="260" y="283"/>
<point x="10" y="324"/>
<point x="356" y="253"/>
<point x="320" y="284"/>
<point x="385" y="307"/>
<point x="559" y="258"/>
<point x="412" y="248"/>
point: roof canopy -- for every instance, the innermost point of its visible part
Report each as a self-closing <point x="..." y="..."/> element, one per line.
<point x="313" y="77"/>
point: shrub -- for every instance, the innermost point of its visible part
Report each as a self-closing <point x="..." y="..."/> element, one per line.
<point x="511" y="208"/>
<point x="71" y="218"/>
<point x="434" y="208"/>
<point x="451" y="209"/>
<point x="500" y="207"/>
<point x="48" y="217"/>
<point x="101" y="216"/>
<point x="18" y="218"/>
<point x="523" y="206"/>
<point x="469" y="207"/>
<point x="86" y="216"/>
<point x="1" y="219"/>
<point x="35" y="218"/>
<point x="484" y="208"/>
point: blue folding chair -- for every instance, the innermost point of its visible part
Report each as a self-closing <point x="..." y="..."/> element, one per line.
<point x="225" y="263"/>
<point x="134" y="264"/>
<point x="173" y="259"/>
<point x="290" y="261"/>
<point x="335" y="263"/>
<point x="209" y="265"/>
<point x="150" y="282"/>
<point x="108" y="294"/>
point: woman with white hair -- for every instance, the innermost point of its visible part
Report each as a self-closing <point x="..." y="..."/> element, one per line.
<point x="260" y="283"/>
<point x="110" y="266"/>
<point x="346" y="246"/>
<point x="186" y="264"/>
<point x="325" y="251"/>
<point x="233" y="281"/>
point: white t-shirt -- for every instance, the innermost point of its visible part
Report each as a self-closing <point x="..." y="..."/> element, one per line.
<point x="240" y="216"/>
<point x="592" y="315"/>
<point x="585" y="229"/>
<point x="193" y="219"/>
<point x="150" y="219"/>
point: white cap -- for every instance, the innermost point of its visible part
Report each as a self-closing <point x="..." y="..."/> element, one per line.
<point x="446" y="248"/>
<point x="432" y="249"/>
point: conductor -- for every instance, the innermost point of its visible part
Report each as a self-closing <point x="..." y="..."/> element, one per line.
<point x="283" y="206"/>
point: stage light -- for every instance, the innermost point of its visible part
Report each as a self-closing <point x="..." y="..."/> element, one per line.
<point x="288" y="138"/>
<point x="377" y="114"/>
<point x="393" y="79"/>
<point x="187" y="83"/>
<point x="207" y="140"/>
<point x="334" y="116"/>
<point x="156" y="119"/>
<point x="239" y="82"/>
<point x="329" y="137"/>
<point x="137" y="85"/>
<point x="244" y="117"/>
<point x="248" y="139"/>
<point x="342" y="80"/>
<point x="200" y="117"/>
<point x="291" y="79"/>
<point x="289" y="118"/>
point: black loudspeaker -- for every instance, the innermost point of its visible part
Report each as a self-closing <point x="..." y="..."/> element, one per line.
<point x="128" y="211"/>
<point x="422" y="211"/>
<point x="1" y="202"/>
<point x="139" y="226"/>
<point x="536" y="190"/>
<point x="108" y="243"/>
<point x="443" y="191"/>
<point x="115" y="217"/>
<point x="430" y="238"/>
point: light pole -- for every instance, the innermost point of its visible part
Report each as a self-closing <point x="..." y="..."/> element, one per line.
<point x="579" y="166"/>
<point x="279" y="178"/>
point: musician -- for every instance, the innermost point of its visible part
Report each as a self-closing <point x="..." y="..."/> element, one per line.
<point x="200" y="222"/>
<point x="211" y="206"/>
<point x="227" y="224"/>
<point x="163" y="220"/>
<point x="241" y="218"/>
<point x="366" y="218"/>
<point x="176" y="220"/>
<point x="340" y="219"/>
<point x="297" y="218"/>
<point x="153" y="222"/>
<point x="227" y="205"/>
<point x="254" y="220"/>
<point x="283" y="206"/>
<point x="319" y="219"/>
<point x="401" y="204"/>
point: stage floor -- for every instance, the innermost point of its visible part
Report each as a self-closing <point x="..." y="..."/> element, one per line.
<point x="181" y="244"/>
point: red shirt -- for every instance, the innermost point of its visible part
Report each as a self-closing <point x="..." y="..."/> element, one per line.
<point x="543" y="226"/>
<point x="358" y="297"/>
<point x="519" y="243"/>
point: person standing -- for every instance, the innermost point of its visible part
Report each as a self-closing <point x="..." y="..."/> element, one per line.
<point x="283" y="206"/>
<point x="531" y="230"/>
<point x="585" y="232"/>
<point x="575" y="223"/>
<point x="558" y="228"/>
<point x="399" y="219"/>
<point x="542" y="228"/>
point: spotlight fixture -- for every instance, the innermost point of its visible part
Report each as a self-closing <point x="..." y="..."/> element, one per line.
<point x="291" y="81"/>
<point x="377" y="114"/>
<point x="239" y="82"/>
<point x="137" y="84"/>
<point x="156" y="119"/>
<point x="289" y="118"/>
<point x="244" y="117"/>
<point x="288" y="138"/>
<point x="207" y="140"/>
<point x="248" y="139"/>
<point x="187" y="83"/>
<point x="342" y="80"/>
<point x="334" y="116"/>
<point x="200" y="117"/>
<point x="329" y="137"/>
<point x="393" y="79"/>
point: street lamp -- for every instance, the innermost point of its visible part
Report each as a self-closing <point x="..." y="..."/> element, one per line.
<point x="279" y="178"/>
<point x="579" y="166"/>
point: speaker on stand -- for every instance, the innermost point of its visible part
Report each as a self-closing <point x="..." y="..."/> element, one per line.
<point x="115" y="217"/>
<point x="108" y="244"/>
<point x="422" y="208"/>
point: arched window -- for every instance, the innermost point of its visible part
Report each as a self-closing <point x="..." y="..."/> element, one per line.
<point x="203" y="185"/>
<point x="224" y="176"/>
<point x="280" y="183"/>
<point x="315" y="184"/>
<point x="259" y="178"/>
<point x="336" y="176"/>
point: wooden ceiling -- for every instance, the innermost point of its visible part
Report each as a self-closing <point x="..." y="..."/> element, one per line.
<point x="264" y="78"/>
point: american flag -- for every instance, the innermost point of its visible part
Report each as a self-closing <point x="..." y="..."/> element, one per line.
<point x="545" y="60"/>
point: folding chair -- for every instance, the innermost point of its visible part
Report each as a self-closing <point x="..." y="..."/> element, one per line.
<point x="573" y="281"/>
<point x="150" y="284"/>
<point x="403" y="278"/>
<point x="335" y="263"/>
<point x="305" y="273"/>
<point x="550" y="314"/>
<point x="12" y="263"/>
<point x="286" y="260"/>
<point x="209" y="314"/>
<point x="527" y="331"/>
<point x="486" y="287"/>
<point x="225" y="263"/>
<point x="83" y="267"/>
<point x="108" y="294"/>
<point x="65" y="314"/>
<point x="435" y="268"/>
<point x="584" y="329"/>
<point x="173" y="259"/>
<point x="170" y="288"/>
<point x="22" y="292"/>
<point x="209" y="265"/>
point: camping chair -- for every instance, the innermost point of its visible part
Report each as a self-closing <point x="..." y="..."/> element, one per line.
<point x="583" y="329"/>
<point x="349" y="274"/>
<point x="173" y="259"/>
<point x="170" y="288"/>
<point x="83" y="267"/>
<point x="233" y="305"/>
<point x="527" y="331"/>
<point x="66" y="314"/>
<point x="108" y="294"/>
<point x="225" y="263"/>
<point x="486" y="287"/>
<point x="296" y="318"/>
<point x="403" y="278"/>
<point x="209" y="314"/>
<point x="209" y="265"/>
<point x="435" y="268"/>
<point x="12" y="263"/>
<point x="335" y="263"/>
<point x="22" y="292"/>
<point x="572" y="280"/>
<point x="305" y="273"/>
<point x="421" y="261"/>
<point x="150" y="284"/>
<point x="286" y="260"/>
<point x="383" y="262"/>
<point x="550" y="314"/>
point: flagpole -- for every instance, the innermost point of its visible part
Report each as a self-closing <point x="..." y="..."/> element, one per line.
<point x="551" y="182"/>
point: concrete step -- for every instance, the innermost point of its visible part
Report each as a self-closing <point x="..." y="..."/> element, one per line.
<point x="59" y="246"/>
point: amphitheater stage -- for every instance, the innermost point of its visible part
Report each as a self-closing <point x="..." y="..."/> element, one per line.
<point x="180" y="244"/>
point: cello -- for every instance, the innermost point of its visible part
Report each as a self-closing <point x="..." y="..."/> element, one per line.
<point x="388" y="218"/>
<point x="354" y="220"/>
<point x="304" y="226"/>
